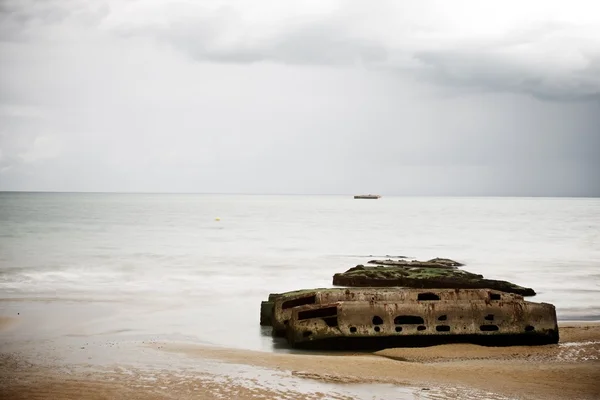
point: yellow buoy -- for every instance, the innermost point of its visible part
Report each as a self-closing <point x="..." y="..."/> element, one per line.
<point x="217" y="219"/>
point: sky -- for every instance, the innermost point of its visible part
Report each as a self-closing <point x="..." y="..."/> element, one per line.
<point x="458" y="98"/>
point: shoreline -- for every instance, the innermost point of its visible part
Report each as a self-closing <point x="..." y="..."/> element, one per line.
<point x="169" y="369"/>
<point x="571" y="368"/>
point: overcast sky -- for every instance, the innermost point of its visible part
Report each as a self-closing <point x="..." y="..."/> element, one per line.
<point x="390" y="97"/>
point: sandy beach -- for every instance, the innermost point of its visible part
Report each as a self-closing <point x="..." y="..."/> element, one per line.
<point x="7" y="323"/>
<point x="168" y="369"/>
<point x="568" y="370"/>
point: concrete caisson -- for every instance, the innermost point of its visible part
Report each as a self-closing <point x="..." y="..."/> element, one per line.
<point x="386" y="317"/>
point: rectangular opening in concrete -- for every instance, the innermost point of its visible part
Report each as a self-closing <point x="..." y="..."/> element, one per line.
<point x="318" y="313"/>
<point x="408" y="320"/>
<point x="442" y="328"/>
<point x="331" y="322"/>
<point x="428" y="296"/>
<point x="494" y="296"/>
<point x="301" y="301"/>
<point x="488" y="328"/>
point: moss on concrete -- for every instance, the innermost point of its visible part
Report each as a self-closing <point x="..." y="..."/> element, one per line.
<point x="423" y="277"/>
<point x="433" y="263"/>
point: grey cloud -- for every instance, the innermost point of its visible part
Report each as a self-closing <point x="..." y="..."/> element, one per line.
<point x="489" y="65"/>
<point x="312" y="45"/>
<point x="343" y="38"/>
<point x="484" y="71"/>
<point x="21" y="13"/>
<point x="204" y="36"/>
<point x="113" y="105"/>
<point x="20" y="18"/>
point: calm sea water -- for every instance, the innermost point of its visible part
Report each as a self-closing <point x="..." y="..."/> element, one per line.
<point x="163" y="265"/>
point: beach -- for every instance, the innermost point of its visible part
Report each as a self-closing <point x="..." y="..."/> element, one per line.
<point x="148" y="296"/>
<point x="94" y="368"/>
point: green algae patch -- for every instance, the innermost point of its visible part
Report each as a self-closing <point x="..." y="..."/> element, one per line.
<point x="423" y="278"/>
<point x="433" y="263"/>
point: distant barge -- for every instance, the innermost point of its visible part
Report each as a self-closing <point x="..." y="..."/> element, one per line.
<point x="367" y="196"/>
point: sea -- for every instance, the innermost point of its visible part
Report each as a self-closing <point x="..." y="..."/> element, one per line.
<point x="195" y="267"/>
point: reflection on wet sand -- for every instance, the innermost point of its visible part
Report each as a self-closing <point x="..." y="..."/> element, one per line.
<point x="116" y="366"/>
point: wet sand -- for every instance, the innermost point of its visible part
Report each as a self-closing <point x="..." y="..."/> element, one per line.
<point x="166" y="369"/>
<point x="22" y="381"/>
<point x="570" y="369"/>
<point x="7" y="323"/>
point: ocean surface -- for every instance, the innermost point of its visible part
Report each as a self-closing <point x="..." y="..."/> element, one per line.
<point x="195" y="267"/>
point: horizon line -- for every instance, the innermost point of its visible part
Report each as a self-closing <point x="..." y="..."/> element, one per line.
<point x="286" y="194"/>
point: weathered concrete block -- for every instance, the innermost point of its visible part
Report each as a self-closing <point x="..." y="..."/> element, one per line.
<point x="424" y="318"/>
<point x="266" y="313"/>
<point x="284" y="303"/>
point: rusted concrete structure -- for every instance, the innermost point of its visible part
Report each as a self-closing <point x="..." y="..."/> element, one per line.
<point x="266" y="310"/>
<point x="424" y="318"/>
<point x="394" y="317"/>
<point x="284" y="303"/>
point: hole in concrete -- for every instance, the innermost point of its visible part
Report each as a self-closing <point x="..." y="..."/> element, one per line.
<point x="488" y="328"/>
<point x="287" y="321"/>
<point x="529" y="328"/>
<point x="331" y="322"/>
<point x="377" y="320"/>
<point x="442" y="328"/>
<point x="408" y="319"/>
<point x="377" y="329"/>
<point x="489" y="317"/>
<point x="428" y="296"/>
<point x="352" y="329"/>
<point x="443" y="317"/>
<point x="302" y="301"/>
<point x="421" y="328"/>
<point x="494" y="296"/>
<point x="398" y="329"/>
<point x="318" y="313"/>
<point x="306" y="333"/>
